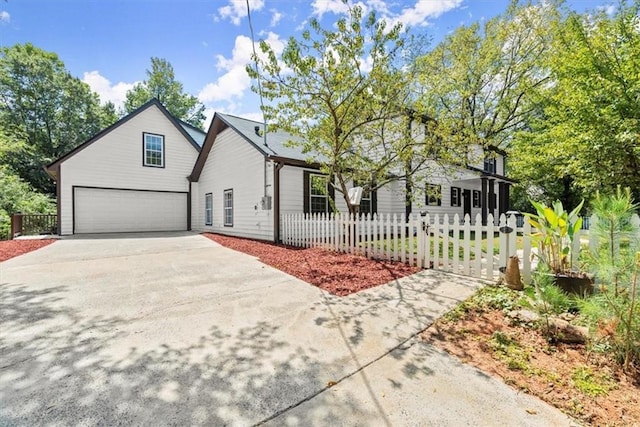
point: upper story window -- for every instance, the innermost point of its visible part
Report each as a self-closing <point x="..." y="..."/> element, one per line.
<point x="153" y="150"/>
<point x="490" y="165"/>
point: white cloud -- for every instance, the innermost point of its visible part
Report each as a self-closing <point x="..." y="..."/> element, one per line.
<point x="237" y="9"/>
<point x="275" y="18"/>
<point x="235" y="81"/>
<point x="418" y="14"/>
<point x="4" y="16"/>
<point x="608" y="9"/>
<point x="337" y="7"/>
<point x="425" y="9"/>
<point x="102" y="86"/>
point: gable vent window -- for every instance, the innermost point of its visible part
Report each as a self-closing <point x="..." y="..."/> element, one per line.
<point x="490" y="165"/>
<point x="153" y="150"/>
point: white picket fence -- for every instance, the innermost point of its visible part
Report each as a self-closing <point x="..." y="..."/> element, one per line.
<point x="440" y="242"/>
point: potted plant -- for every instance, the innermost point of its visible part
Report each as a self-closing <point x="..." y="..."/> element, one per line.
<point x="556" y="231"/>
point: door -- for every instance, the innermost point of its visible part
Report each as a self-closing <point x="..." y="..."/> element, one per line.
<point x="466" y="202"/>
<point x="104" y="210"/>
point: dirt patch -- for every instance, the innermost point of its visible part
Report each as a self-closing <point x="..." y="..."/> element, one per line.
<point x="337" y="273"/>
<point x="13" y="248"/>
<point x="583" y="384"/>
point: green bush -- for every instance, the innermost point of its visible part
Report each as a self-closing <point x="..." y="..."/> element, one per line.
<point x="17" y="196"/>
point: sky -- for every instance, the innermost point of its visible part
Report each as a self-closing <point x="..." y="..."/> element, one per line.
<point x="109" y="43"/>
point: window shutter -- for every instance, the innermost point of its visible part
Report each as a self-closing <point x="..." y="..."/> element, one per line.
<point x="305" y="192"/>
<point x="374" y="202"/>
<point x="331" y="191"/>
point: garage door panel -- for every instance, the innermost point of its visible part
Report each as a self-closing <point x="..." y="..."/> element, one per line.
<point x="111" y="211"/>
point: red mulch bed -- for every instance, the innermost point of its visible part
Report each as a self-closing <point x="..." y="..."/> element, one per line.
<point x="337" y="273"/>
<point x="13" y="248"/>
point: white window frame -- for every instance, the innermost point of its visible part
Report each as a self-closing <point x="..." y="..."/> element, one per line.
<point x="208" y="209"/>
<point x="228" y="207"/>
<point x="456" y="196"/>
<point x="324" y="195"/>
<point x="148" y="138"/>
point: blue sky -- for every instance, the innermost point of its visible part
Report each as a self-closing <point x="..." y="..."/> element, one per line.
<point x="108" y="44"/>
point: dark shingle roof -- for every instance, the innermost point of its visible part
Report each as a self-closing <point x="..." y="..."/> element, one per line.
<point x="276" y="141"/>
<point x="198" y="135"/>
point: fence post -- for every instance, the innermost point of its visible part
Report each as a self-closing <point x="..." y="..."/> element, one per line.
<point x="526" y="251"/>
<point x="16" y="224"/>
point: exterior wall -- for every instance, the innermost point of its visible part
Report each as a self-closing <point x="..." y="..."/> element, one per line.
<point x="115" y="161"/>
<point x="234" y="164"/>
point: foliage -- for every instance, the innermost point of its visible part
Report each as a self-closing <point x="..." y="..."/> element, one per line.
<point x="342" y="95"/>
<point x="591" y="383"/>
<point x="585" y="136"/>
<point x="162" y="84"/>
<point x="486" y="298"/>
<point x="615" y="237"/>
<point x="510" y="351"/>
<point x="548" y="300"/>
<point x="46" y="108"/>
<point x="477" y="83"/>
<point x="614" y="311"/>
<point x="556" y="230"/>
<point x="17" y="196"/>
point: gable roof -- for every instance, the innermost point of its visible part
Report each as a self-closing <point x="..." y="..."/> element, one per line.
<point x="249" y="130"/>
<point x="191" y="133"/>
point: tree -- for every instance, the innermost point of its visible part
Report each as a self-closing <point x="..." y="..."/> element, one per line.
<point x="477" y="83"/>
<point x="46" y="108"/>
<point x="342" y="95"/>
<point x="161" y="84"/>
<point x="588" y="137"/>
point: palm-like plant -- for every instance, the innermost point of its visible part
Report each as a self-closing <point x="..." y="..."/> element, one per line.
<point x="556" y="230"/>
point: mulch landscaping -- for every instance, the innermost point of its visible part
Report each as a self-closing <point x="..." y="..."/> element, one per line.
<point x="584" y="384"/>
<point x="12" y="248"/>
<point x="337" y="273"/>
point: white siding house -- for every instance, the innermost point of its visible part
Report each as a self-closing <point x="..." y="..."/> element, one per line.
<point x="130" y="177"/>
<point x="151" y="172"/>
<point x="263" y="180"/>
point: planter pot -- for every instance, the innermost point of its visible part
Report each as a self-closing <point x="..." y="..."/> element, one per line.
<point x="579" y="285"/>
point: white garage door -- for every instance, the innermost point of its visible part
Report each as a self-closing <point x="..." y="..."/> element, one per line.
<point x="110" y="211"/>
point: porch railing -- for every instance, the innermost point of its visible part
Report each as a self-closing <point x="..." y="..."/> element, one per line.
<point x="33" y="224"/>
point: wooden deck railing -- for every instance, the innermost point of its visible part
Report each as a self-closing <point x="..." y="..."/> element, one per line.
<point x="33" y="224"/>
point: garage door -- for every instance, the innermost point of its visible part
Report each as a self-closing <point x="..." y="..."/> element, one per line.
<point x="111" y="211"/>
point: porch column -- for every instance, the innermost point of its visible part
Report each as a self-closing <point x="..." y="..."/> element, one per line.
<point x="483" y="200"/>
<point x="492" y="198"/>
<point x="503" y="195"/>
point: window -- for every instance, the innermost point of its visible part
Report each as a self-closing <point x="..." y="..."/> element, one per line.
<point x="153" y="150"/>
<point x="490" y="164"/>
<point x="476" y="199"/>
<point x="319" y="200"/>
<point x="208" y="209"/>
<point x="368" y="202"/>
<point x="456" y="199"/>
<point x="434" y="195"/>
<point x="228" y="208"/>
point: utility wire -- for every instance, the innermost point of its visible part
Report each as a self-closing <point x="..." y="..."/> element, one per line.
<point x="255" y="59"/>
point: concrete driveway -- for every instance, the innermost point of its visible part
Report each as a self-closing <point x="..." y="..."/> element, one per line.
<point x="173" y="329"/>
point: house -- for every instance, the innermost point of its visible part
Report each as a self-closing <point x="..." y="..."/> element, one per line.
<point x="242" y="182"/>
<point x="130" y="177"/>
<point x="151" y="172"/>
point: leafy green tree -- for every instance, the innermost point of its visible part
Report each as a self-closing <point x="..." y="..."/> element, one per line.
<point x="17" y="196"/>
<point x="342" y="93"/>
<point x="477" y="83"/>
<point x="162" y="84"/>
<point x="42" y="104"/>
<point x="588" y="135"/>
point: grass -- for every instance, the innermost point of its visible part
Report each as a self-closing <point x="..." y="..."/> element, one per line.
<point x="388" y="243"/>
<point x="591" y="383"/>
